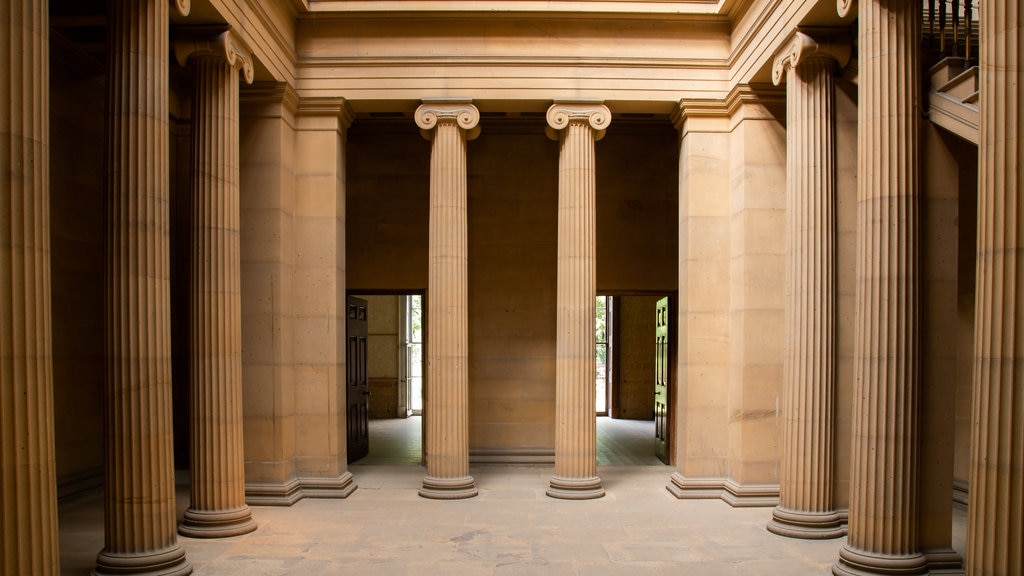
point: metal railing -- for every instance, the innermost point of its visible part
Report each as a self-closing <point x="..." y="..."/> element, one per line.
<point x="951" y="27"/>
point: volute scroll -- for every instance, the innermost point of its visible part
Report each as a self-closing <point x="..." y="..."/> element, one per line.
<point x="461" y="111"/>
<point x="563" y="112"/>
<point x="204" y="41"/>
<point x="596" y="114"/>
<point x="183" y="7"/>
<point x="807" y="44"/>
<point x="846" y="7"/>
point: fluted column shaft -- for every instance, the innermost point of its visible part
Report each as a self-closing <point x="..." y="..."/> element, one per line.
<point x="883" y="518"/>
<point x="806" y="508"/>
<point x="996" y="510"/>
<point x="217" y="472"/>
<point x="28" y="495"/>
<point x="578" y="126"/>
<point x="139" y="504"/>
<point x="448" y="124"/>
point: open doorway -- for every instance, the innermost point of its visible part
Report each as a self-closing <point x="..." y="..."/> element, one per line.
<point x="395" y="337"/>
<point x="627" y="358"/>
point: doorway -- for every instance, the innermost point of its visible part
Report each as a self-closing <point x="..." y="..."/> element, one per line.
<point x="357" y="389"/>
<point x="394" y="373"/>
<point x="627" y="364"/>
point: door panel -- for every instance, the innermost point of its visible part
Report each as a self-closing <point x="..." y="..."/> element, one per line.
<point x="662" y="371"/>
<point x="358" y="388"/>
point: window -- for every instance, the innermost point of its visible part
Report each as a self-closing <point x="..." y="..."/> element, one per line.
<point x="602" y="337"/>
<point x="414" y="351"/>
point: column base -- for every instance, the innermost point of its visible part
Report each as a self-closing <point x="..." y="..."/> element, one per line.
<point x="853" y="562"/>
<point x="169" y="562"/>
<point x="448" y="488"/>
<point x="340" y="487"/>
<point x="217" y="523"/>
<point x="290" y="492"/>
<point x="575" y="488"/>
<point x="806" y="525"/>
<point x="724" y="489"/>
<point x="267" y="494"/>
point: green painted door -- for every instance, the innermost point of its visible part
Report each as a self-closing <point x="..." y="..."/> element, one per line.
<point x="662" y="371"/>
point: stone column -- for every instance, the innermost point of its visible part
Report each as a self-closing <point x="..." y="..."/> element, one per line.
<point x="448" y="123"/>
<point x="217" y="470"/>
<point x="806" y="508"/>
<point x="576" y="125"/>
<point x="139" y="496"/>
<point x="994" y="529"/>
<point x="27" y="469"/>
<point x="883" y="525"/>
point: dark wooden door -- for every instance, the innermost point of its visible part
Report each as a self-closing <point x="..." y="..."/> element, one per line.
<point x="358" y="388"/>
<point x="662" y="371"/>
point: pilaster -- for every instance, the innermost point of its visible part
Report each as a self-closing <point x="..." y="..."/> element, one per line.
<point x="806" y="505"/>
<point x="267" y="208"/>
<point x="757" y="299"/>
<point x="995" y="529"/>
<point x="576" y="125"/>
<point x="448" y="123"/>
<point x="139" y="497"/>
<point x="28" y="494"/>
<point x="733" y="229"/>
<point x="319" y="300"/>
<point x="701" y="444"/>
<point x="883" y="519"/>
<point x="217" y="474"/>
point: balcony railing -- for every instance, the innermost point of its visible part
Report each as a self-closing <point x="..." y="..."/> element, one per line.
<point x="951" y="27"/>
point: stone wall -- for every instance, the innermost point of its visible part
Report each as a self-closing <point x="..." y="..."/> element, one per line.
<point x="77" y="253"/>
<point x="634" y="397"/>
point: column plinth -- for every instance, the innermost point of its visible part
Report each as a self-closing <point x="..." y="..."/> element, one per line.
<point x="217" y="501"/>
<point x="806" y="508"/>
<point x="139" y="507"/>
<point x="448" y="123"/>
<point x="994" y="527"/>
<point x="576" y="125"/>
<point x="883" y="520"/>
<point x="27" y="461"/>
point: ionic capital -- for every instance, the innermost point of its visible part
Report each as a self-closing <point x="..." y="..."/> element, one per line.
<point x="846" y="7"/>
<point x="183" y="7"/>
<point x="459" y="111"/>
<point x="565" y="112"/>
<point x="205" y="41"/>
<point x="802" y="47"/>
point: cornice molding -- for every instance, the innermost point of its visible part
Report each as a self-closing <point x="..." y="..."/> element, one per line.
<point x="688" y="110"/>
<point x="194" y="41"/>
<point x="564" y="112"/>
<point x="743" y="102"/>
<point x="269" y="92"/>
<point x="310" y="62"/>
<point x="568" y="9"/>
<point x="459" y="111"/>
<point x="806" y="44"/>
<point x="327" y="106"/>
<point x="270" y="28"/>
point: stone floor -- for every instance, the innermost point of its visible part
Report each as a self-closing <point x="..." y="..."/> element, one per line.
<point x="619" y="442"/>
<point x="511" y="528"/>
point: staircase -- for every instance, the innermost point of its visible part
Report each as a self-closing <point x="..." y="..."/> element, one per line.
<point x="950" y="39"/>
<point x="953" y="97"/>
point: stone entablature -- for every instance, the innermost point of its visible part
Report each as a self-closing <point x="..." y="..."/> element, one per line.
<point x="387" y="57"/>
